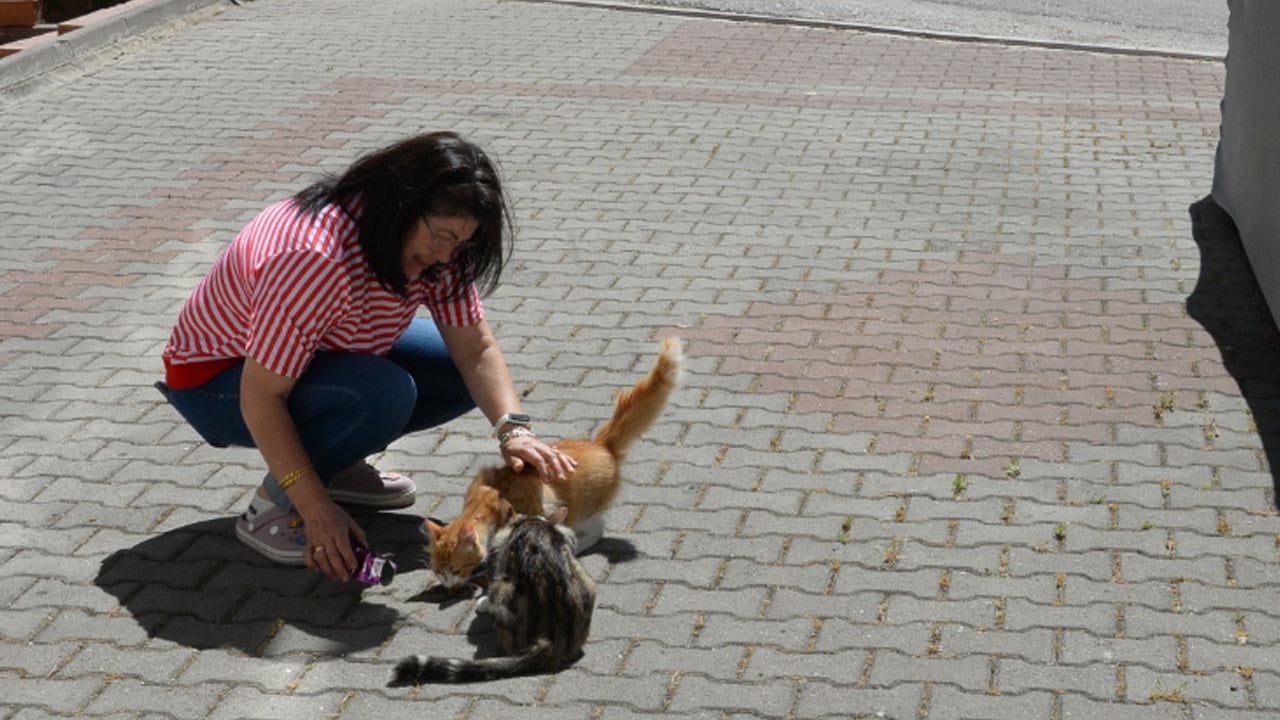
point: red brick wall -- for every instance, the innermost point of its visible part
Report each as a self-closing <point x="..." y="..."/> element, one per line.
<point x="19" y="12"/>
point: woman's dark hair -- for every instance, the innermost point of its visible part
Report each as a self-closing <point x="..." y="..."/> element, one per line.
<point x="435" y="174"/>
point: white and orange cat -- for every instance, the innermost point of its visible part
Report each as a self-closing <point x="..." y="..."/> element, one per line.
<point x="460" y="547"/>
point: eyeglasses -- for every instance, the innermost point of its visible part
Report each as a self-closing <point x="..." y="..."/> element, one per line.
<point x="458" y="246"/>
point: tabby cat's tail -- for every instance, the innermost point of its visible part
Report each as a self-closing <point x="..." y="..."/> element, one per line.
<point x="637" y="408"/>
<point x="417" y="669"/>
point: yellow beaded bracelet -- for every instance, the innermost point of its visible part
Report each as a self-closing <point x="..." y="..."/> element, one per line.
<point x="288" y="480"/>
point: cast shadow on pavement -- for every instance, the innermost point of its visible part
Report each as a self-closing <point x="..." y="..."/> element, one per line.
<point x="199" y="587"/>
<point x="1228" y="302"/>
<point x="614" y="549"/>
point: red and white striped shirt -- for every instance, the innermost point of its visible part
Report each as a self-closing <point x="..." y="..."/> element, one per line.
<point x="291" y="285"/>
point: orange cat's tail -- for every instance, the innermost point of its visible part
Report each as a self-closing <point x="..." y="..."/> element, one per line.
<point x="637" y="408"/>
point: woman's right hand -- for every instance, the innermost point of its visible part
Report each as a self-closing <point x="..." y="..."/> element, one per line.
<point x="329" y="531"/>
<point x="264" y="399"/>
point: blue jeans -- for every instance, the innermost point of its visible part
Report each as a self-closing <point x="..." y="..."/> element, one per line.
<point x="346" y="406"/>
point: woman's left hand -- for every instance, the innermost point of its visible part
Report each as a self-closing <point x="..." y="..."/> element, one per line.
<point x="550" y="463"/>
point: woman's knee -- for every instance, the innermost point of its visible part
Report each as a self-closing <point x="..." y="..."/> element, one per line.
<point x="441" y="392"/>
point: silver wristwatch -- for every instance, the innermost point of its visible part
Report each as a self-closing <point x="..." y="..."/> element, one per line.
<point x="517" y="419"/>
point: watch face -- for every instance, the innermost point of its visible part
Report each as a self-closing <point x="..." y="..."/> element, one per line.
<point x="518" y="419"/>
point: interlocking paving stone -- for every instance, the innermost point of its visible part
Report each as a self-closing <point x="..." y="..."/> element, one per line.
<point x="32" y="660"/>
<point x="744" y="603"/>
<point x="496" y="710"/>
<point x="245" y="701"/>
<point x="838" y="634"/>
<point x="1266" y="684"/>
<point x="891" y="667"/>
<point x="21" y="624"/>
<point x="367" y="705"/>
<point x="58" y="594"/>
<point x="949" y="294"/>
<point x="60" y="696"/>
<point x="1017" y="676"/>
<point x="209" y="666"/>
<point x="1209" y="656"/>
<point x="1035" y="645"/>
<point x="642" y="693"/>
<point x="1223" y="689"/>
<point x="670" y="630"/>
<point x="771" y="699"/>
<point x="720" y="630"/>
<point x="76" y="624"/>
<point x="791" y="604"/>
<point x="1159" y="653"/>
<point x="818" y="699"/>
<point x="151" y="667"/>
<point x="1021" y="614"/>
<point x="135" y="696"/>
<point x="953" y="704"/>
<point x="721" y="663"/>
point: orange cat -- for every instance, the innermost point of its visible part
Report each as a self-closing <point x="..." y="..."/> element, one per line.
<point x="461" y="546"/>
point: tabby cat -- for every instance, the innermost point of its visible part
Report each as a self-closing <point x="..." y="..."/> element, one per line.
<point x="458" y="548"/>
<point x="540" y="599"/>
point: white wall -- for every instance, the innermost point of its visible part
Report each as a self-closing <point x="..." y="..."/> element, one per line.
<point x="1246" y="179"/>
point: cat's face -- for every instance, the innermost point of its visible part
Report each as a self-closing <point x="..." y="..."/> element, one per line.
<point x="458" y="548"/>
<point x="456" y="551"/>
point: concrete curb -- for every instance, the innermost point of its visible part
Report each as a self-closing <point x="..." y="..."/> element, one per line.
<point x="29" y="65"/>
<point x="881" y="29"/>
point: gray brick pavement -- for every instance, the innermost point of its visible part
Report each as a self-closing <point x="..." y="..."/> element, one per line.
<point x="943" y="294"/>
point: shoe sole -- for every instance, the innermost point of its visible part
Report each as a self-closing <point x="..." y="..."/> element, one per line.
<point x="277" y="556"/>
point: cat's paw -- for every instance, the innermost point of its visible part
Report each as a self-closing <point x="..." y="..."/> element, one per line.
<point x="587" y="533"/>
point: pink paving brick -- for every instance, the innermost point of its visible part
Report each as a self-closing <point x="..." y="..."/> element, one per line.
<point x="799" y="56"/>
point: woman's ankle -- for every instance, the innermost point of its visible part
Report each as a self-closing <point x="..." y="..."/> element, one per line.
<point x="262" y="501"/>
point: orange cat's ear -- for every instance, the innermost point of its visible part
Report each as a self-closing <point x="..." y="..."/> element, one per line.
<point x="557" y="517"/>
<point x="468" y="533"/>
<point x="434" y="530"/>
<point x="505" y="511"/>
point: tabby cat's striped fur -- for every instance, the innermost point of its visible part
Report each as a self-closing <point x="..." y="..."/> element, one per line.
<point x="540" y="599"/>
